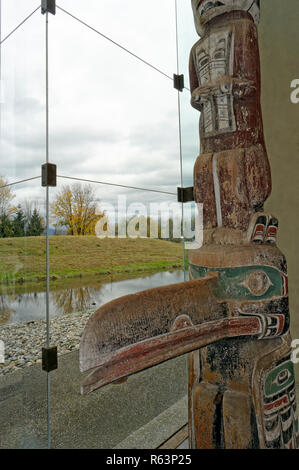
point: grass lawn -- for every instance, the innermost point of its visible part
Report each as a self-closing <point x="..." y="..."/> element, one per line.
<point x="24" y="259"/>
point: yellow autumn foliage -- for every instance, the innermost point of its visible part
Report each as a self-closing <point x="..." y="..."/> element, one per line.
<point x="75" y="207"/>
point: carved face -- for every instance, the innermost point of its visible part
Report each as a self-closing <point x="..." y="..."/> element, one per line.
<point x="253" y="283"/>
<point x="205" y="10"/>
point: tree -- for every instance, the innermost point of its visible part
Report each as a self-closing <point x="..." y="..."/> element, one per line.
<point x="35" y="225"/>
<point x="28" y="206"/>
<point x="6" y="196"/>
<point x="75" y="208"/>
<point x="18" y="223"/>
<point x="174" y="227"/>
<point x="6" y="229"/>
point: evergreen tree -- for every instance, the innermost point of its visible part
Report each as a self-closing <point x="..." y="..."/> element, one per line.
<point x="6" y="228"/>
<point x="18" y="223"/>
<point x="35" y="226"/>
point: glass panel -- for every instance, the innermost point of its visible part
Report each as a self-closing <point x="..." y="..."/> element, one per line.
<point x="188" y="119"/>
<point x="113" y="120"/>
<point x="22" y="325"/>
<point x="189" y="146"/>
<point x="103" y="270"/>
<point x="189" y="116"/>
<point x="22" y="243"/>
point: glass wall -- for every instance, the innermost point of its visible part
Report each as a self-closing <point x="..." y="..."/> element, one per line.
<point x="90" y="91"/>
<point x="22" y="149"/>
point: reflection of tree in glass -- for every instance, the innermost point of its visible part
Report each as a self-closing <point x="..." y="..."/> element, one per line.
<point x="5" y="311"/>
<point x="74" y="299"/>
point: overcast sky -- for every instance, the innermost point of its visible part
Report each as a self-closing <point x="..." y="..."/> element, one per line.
<point x="111" y="117"/>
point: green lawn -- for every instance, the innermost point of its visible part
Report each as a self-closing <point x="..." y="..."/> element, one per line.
<point x="24" y="259"/>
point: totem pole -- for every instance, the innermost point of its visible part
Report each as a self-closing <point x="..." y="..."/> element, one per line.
<point x="232" y="317"/>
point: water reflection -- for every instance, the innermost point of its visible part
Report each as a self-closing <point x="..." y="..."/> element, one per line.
<point x="79" y="296"/>
<point x="5" y="311"/>
<point x="73" y="300"/>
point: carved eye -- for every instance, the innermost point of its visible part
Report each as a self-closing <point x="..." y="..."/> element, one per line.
<point x="283" y="377"/>
<point x="258" y="283"/>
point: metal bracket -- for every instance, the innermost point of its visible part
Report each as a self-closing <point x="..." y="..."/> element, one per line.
<point x="185" y="194"/>
<point x="49" y="175"/>
<point x="49" y="6"/>
<point x="178" y="82"/>
<point x="49" y="359"/>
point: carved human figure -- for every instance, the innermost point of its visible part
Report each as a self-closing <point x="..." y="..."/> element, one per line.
<point x="232" y="174"/>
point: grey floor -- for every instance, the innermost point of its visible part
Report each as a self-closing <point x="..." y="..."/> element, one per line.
<point x="141" y="413"/>
<point x="104" y="419"/>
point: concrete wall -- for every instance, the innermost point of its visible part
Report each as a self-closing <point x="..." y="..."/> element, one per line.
<point x="279" y="46"/>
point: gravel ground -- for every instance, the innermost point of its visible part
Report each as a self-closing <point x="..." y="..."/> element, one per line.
<point x="24" y="341"/>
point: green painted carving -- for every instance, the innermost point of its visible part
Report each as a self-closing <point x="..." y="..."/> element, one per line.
<point x="279" y="379"/>
<point x="246" y="282"/>
<point x="280" y="410"/>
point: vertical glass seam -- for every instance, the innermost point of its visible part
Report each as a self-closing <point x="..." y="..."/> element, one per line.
<point x="180" y="138"/>
<point x="47" y="236"/>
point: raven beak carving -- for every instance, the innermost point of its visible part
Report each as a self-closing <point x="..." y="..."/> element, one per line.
<point x="141" y="330"/>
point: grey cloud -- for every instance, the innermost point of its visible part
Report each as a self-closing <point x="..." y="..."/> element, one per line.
<point x="95" y="135"/>
<point x="157" y="136"/>
<point x="28" y="106"/>
<point x="68" y="139"/>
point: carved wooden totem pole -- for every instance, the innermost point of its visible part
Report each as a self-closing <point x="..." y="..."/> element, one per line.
<point x="232" y="317"/>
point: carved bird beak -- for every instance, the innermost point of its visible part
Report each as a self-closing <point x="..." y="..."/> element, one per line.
<point x="140" y="330"/>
